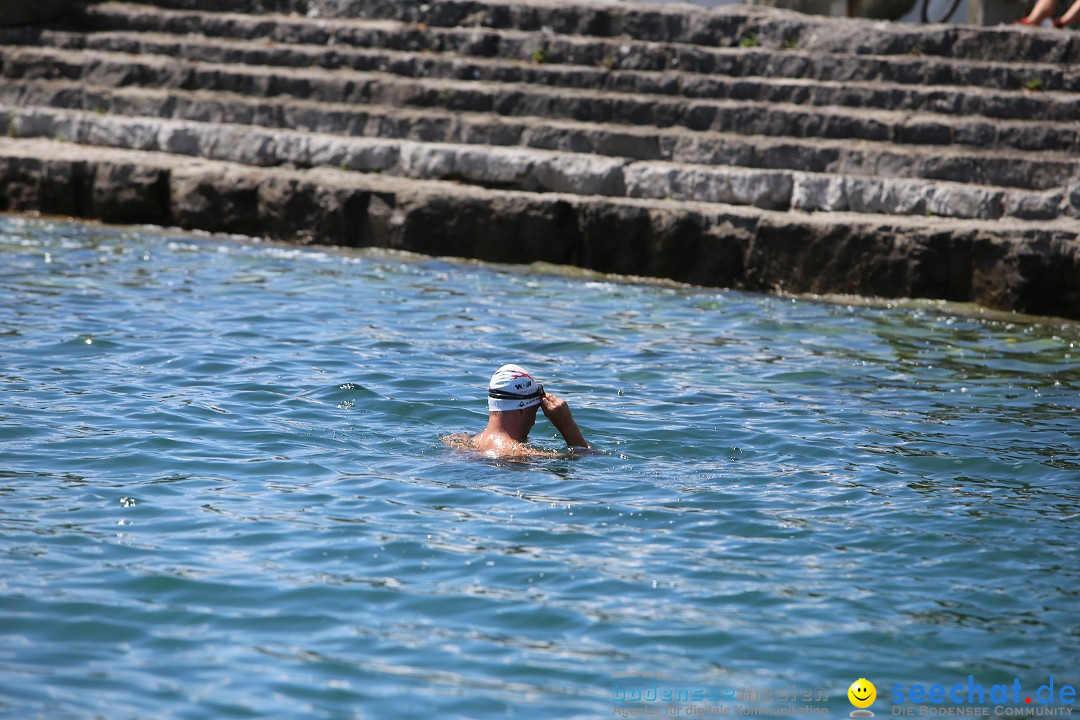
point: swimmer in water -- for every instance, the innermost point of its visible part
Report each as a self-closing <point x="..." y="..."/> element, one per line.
<point x="513" y="399"/>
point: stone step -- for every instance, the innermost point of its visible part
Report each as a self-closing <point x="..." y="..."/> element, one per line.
<point x="540" y="170"/>
<point x="1017" y="105"/>
<point x="522" y="99"/>
<point x="610" y="54"/>
<point x="725" y="26"/>
<point x="1031" y="267"/>
<point x="1033" y="171"/>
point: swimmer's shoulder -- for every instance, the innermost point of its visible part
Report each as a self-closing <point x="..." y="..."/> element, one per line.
<point x="518" y="451"/>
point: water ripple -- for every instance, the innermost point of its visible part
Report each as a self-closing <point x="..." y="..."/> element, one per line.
<point x="224" y="492"/>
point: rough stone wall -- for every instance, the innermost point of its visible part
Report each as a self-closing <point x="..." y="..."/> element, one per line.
<point x="739" y="147"/>
<point x="1029" y="269"/>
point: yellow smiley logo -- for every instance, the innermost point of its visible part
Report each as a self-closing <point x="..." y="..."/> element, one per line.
<point x="862" y="693"/>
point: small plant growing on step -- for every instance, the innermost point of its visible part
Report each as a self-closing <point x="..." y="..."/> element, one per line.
<point x="100" y="109"/>
<point x="916" y="50"/>
<point x="749" y="40"/>
<point x="446" y="96"/>
<point x="1033" y="84"/>
<point x="540" y="56"/>
<point x="607" y="64"/>
<point x="345" y="167"/>
<point x="791" y="43"/>
<point x="11" y="123"/>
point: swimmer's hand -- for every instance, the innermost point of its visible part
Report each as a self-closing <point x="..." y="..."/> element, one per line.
<point x="558" y="412"/>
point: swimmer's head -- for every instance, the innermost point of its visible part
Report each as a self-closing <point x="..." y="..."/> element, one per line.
<point x="513" y="388"/>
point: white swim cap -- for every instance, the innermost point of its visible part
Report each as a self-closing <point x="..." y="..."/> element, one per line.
<point x="513" y="388"/>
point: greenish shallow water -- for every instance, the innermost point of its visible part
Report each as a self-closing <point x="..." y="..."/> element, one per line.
<point x="224" y="492"/>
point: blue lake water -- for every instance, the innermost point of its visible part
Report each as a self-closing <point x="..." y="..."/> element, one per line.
<point x="224" y="492"/>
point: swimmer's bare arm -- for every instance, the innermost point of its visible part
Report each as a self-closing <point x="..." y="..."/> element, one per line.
<point x="558" y="412"/>
<point x="463" y="441"/>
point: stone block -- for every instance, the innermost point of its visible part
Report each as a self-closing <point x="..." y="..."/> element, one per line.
<point x="1072" y="199"/>
<point x="966" y="202"/>
<point x="581" y="175"/>
<point x="180" y="140"/>
<point x="215" y="198"/>
<point x="426" y="161"/>
<point x="494" y="166"/>
<point x="812" y="192"/>
<point x="132" y="133"/>
<point x="126" y="193"/>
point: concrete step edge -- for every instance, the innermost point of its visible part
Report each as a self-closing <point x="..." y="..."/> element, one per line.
<point x="544" y="171"/>
<point x="1002" y="264"/>
<point x="523" y="99"/>
<point x="617" y="53"/>
<point x="1017" y="169"/>
<point x="968" y="101"/>
<point x="720" y="26"/>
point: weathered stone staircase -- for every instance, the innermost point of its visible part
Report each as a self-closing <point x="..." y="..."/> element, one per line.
<point x="736" y="147"/>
